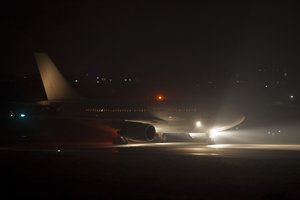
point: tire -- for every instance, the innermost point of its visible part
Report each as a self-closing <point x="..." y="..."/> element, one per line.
<point x="119" y="140"/>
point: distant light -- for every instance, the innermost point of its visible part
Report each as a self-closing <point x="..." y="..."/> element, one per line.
<point x="76" y="81"/>
<point x="198" y="124"/>
<point x="292" y="96"/>
<point x="98" y="82"/>
<point x="266" y="86"/>
<point x="11" y="115"/>
<point x="22" y="115"/>
<point x="97" y="77"/>
<point x="160" y="98"/>
<point x="58" y="150"/>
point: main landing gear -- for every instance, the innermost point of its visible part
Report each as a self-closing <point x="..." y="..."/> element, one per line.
<point x="209" y="140"/>
<point x="119" y="140"/>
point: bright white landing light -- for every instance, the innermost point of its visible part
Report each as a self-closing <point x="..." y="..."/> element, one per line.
<point x="214" y="133"/>
<point x="198" y="124"/>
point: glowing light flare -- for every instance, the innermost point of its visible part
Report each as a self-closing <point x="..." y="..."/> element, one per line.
<point x="22" y="115"/>
<point x="219" y="146"/>
<point x="198" y="124"/>
<point x="160" y="98"/>
<point x="214" y="133"/>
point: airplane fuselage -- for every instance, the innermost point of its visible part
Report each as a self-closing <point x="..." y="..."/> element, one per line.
<point x="164" y="116"/>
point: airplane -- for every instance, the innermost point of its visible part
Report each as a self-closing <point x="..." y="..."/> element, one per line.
<point x="157" y="121"/>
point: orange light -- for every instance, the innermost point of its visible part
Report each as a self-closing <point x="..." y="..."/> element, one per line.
<point x="160" y="98"/>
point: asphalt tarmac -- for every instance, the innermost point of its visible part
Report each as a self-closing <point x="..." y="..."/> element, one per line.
<point x="150" y="171"/>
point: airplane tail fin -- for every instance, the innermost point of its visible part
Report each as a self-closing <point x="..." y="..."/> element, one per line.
<point x="56" y="87"/>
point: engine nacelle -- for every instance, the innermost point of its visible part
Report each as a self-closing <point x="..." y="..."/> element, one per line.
<point x="138" y="131"/>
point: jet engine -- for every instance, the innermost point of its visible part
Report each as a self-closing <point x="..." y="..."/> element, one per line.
<point x="138" y="131"/>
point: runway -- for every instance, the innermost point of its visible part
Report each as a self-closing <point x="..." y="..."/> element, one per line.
<point x="151" y="171"/>
<point x="187" y="149"/>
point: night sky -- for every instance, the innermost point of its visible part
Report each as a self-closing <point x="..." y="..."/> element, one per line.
<point x="215" y="42"/>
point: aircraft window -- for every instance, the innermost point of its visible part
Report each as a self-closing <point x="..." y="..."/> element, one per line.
<point x="117" y="110"/>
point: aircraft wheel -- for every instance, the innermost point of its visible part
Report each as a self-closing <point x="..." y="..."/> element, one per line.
<point x="164" y="138"/>
<point x="210" y="141"/>
<point x="119" y="140"/>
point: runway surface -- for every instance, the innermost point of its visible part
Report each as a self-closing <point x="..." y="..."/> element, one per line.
<point x="187" y="149"/>
<point x="151" y="171"/>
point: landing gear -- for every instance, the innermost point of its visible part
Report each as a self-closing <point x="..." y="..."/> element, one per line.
<point x="160" y="138"/>
<point x="175" y="137"/>
<point x="210" y="141"/>
<point x="119" y="140"/>
<point x="164" y="138"/>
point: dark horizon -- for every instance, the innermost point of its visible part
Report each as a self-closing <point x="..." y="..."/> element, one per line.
<point x="164" y="38"/>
